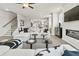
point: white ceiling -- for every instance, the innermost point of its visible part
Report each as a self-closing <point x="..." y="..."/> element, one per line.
<point x="40" y="9"/>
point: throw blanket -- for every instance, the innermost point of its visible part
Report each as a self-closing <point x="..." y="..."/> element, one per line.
<point x="71" y="53"/>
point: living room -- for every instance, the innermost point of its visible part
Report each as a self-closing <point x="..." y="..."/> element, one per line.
<point x="42" y="26"/>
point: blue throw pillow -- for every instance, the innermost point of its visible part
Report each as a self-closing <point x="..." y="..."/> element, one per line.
<point x="71" y="53"/>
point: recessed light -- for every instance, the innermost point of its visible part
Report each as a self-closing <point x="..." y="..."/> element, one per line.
<point x="7" y="9"/>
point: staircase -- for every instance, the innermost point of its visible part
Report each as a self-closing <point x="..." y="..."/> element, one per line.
<point x="13" y="26"/>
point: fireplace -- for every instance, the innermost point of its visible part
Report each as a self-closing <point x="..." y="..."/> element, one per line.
<point x="72" y="33"/>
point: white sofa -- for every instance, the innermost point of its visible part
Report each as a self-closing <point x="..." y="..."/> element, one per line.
<point x="6" y="51"/>
<point x="22" y="36"/>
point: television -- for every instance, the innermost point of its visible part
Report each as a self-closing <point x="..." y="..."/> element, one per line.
<point x="72" y="14"/>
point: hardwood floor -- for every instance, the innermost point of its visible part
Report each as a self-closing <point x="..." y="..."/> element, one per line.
<point x="54" y="41"/>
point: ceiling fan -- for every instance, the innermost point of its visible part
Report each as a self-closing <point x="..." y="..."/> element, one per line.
<point x="25" y="5"/>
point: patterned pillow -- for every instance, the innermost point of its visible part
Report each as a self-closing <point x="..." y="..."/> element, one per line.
<point x="13" y="43"/>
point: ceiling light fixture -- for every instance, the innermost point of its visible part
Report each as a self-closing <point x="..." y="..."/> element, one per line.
<point x="25" y="4"/>
<point x="7" y="9"/>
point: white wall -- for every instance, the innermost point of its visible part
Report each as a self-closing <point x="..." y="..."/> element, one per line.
<point x="55" y="22"/>
<point x="57" y="17"/>
<point x="50" y="23"/>
<point x="74" y="25"/>
<point x="26" y="21"/>
<point x="5" y="17"/>
<point x="61" y="18"/>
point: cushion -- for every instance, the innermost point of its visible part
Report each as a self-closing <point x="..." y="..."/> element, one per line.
<point x="53" y="52"/>
<point x="71" y="53"/>
<point x="3" y="49"/>
<point x="68" y="47"/>
<point x="59" y="51"/>
<point x="20" y="52"/>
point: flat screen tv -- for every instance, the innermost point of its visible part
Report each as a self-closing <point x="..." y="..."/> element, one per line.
<point x="72" y="14"/>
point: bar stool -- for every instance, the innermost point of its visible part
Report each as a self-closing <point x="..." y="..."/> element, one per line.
<point x="31" y="41"/>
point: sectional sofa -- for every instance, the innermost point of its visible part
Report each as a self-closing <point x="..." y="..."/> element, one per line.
<point x="6" y="51"/>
